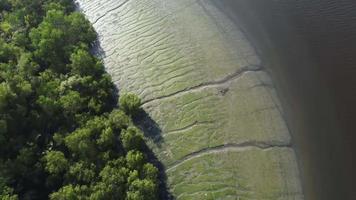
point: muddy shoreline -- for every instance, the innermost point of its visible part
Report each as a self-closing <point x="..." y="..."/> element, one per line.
<point x="307" y="48"/>
<point x="221" y="132"/>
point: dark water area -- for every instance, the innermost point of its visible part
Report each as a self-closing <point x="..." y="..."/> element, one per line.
<point x="309" y="48"/>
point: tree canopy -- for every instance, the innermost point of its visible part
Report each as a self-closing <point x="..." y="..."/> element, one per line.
<point x="62" y="135"/>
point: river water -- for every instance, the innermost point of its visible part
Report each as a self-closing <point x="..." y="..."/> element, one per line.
<point x="309" y="48"/>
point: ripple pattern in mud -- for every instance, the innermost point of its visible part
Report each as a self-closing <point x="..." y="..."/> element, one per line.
<point x="223" y="133"/>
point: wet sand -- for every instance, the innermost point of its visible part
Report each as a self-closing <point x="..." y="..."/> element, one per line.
<point x="309" y="48"/>
<point x="219" y="129"/>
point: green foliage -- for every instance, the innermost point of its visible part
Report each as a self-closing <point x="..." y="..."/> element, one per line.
<point x="72" y="102"/>
<point x="135" y="160"/>
<point x="58" y="35"/>
<point x="61" y="137"/>
<point x="132" y="139"/>
<point x="79" y="143"/>
<point x="107" y="138"/>
<point x="114" y="178"/>
<point x="84" y="64"/>
<point x="150" y="172"/>
<point x="6" y="193"/>
<point x="130" y="103"/>
<point x="55" y="162"/>
<point x="82" y="172"/>
<point x="70" y="192"/>
<point x="118" y="120"/>
<point x="8" y="52"/>
<point x="6" y="95"/>
<point x="142" y="190"/>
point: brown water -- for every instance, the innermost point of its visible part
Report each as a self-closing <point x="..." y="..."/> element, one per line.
<point x="309" y="47"/>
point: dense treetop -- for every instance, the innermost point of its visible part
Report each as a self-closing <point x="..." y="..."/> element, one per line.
<point x="61" y="135"/>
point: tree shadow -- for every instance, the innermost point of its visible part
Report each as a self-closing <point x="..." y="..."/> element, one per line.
<point x="149" y="127"/>
<point x="97" y="50"/>
<point x="163" y="190"/>
<point x="153" y="132"/>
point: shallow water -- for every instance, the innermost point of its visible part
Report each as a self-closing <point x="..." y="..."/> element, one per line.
<point x="309" y="48"/>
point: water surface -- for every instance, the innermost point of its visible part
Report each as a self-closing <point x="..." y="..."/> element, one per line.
<point x="309" y="48"/>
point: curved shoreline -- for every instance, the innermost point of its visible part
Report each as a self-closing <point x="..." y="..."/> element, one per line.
<point x="160" y="48"/>
<point x="307" y="47"/>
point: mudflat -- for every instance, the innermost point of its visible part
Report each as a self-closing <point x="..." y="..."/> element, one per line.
<point x="222" y="132"/>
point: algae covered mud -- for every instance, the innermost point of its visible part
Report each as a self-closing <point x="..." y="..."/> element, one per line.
<point x="309" y="47"/>
<point x="221" y="132"/>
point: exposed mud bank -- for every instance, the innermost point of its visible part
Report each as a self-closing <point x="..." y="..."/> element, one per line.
<point x="309" y="49"/>
<point x="219" y="128"/>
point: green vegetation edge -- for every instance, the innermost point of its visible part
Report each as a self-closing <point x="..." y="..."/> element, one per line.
<point x="62" y="135"/>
